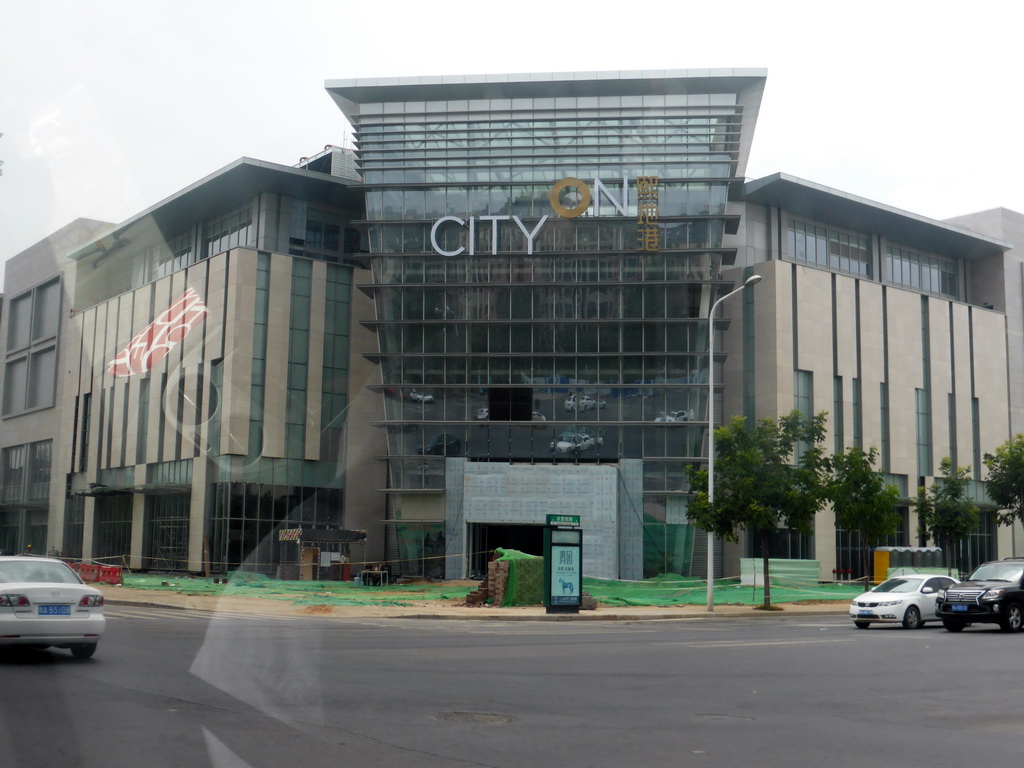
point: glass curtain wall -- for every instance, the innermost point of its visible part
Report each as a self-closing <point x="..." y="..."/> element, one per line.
<point x="543" y="336"/>
<point x="246" y="518"/>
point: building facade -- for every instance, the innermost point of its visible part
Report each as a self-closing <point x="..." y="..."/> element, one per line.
<point x="538" y="354"/>
<point x="33" y="329"/>
<point x="496" y="309"/>
<point x="545" y="250"/>
<point x="882" y="319"/>
<point x="207" y="361"/>
<point x="997" y="284"/>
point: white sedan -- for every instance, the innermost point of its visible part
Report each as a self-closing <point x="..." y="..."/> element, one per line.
<point x="673" y="416"/>
<point x="574" y="442"/>
<point x="583" y="403"/>
<point x="43" y="603"/>
<point x="908" y="600"/>
<point x="419" y="397"/>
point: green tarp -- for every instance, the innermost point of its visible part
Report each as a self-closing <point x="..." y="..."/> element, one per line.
<point x="666" y="590"/>
<point x="671" y="589"/>
<point x="246" y="584"/>
<point x="525" y="577"/>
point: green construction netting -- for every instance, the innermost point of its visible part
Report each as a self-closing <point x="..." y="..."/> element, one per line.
<point x="782" y="572"/>
<point x="525" y="577"/>
<point x="667" y="590"/>
<point x="340" y="593"/>
<point x="671" y="589"/>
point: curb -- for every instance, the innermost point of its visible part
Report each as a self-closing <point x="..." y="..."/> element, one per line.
<point x="615" y="617"/>
<point x="471" y="615"/>
<point x="144" y="604"/>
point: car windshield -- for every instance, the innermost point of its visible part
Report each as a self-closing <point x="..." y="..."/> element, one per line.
<point x="281" y="384"/>
<point x="27" y="571"/>
<point x="998" y="572"/>
<point x="898" y="585"/>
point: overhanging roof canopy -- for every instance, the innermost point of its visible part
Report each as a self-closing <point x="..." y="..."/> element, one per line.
<point x="225" y="189"/>
<point x="347" y="93"/>
<point x="821" y="203"/>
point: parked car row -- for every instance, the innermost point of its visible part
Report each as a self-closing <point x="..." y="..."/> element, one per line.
<point x="580" y="403"/>
<point x="992" y="594"/>
<point x="483" y="414"/>
<point x="574" y="403"/>
<point x="576" y="441"/>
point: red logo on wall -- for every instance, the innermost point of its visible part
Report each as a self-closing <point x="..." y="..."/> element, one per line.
<point x="152" y="344"/>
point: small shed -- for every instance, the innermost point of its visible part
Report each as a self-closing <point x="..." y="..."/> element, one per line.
<point x="319" y="554"/>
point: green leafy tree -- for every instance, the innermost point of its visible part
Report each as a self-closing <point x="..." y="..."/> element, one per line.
<point x="863" y="501"/>
<point x="945" y="513"/>
<point x="774" y="475"/>
<point x="1006" y="480"/>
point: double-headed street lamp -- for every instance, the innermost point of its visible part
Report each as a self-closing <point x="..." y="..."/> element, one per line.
<point x="711" y="432"/>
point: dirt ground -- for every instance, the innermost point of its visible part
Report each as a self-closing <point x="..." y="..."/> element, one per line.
<point x="445" y="609"/>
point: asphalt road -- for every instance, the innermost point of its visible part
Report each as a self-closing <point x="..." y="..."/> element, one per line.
<point x="176" y="688"/>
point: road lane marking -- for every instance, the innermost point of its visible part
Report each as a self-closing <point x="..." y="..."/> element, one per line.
<point x="753" y="643"/>
<point x="156" y="614"/>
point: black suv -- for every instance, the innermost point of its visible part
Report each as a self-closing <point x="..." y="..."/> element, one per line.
<point x="993" y="594"/>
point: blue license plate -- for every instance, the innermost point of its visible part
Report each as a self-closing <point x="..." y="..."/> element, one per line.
<point x="54" y="610"/>
<point x="958" y="608"/>
<point x="866" y="613"/>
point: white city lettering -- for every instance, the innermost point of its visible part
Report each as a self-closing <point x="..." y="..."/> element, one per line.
<point x="620" y="205"/>
<point x="530" y="235"/>
<point x="433" y="235"/>
<point x="471" y="223"/>
<point x="494" y="229"/>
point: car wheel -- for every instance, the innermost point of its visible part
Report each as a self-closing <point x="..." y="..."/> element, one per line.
<point x="83" y="651"/>
<point x="912" y="618"/>
<point x="954" y="625"/>
<point x="862" y="624"/>
<point x="1013" y="619"/>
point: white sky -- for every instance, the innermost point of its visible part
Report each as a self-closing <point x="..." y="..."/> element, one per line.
<point x="109" y="107"/>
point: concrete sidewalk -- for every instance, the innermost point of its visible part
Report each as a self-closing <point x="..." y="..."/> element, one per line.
<point x="455" y="609"/>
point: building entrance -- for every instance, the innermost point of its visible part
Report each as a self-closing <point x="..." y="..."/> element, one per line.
<point x="484" y="538"/>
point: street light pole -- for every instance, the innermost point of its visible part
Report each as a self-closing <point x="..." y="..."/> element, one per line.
<point x="711" y="433"/>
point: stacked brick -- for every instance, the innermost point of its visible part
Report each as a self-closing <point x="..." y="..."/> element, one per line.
<point x="493" y="587"/>
<point x="497" y="577"/>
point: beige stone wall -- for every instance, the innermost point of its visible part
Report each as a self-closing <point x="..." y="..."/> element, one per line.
<point x="990" y="376"/>
<point x="278" y="320"/>
<point x="227" y="283"/>
<point x="239" y="314"/>
<point x="965" y="358"/>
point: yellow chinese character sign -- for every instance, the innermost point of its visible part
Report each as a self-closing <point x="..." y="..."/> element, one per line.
<point x="648" y="234"/>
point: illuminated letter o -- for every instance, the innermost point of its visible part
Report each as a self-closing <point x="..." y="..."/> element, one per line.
<point x="556" y="192"/>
